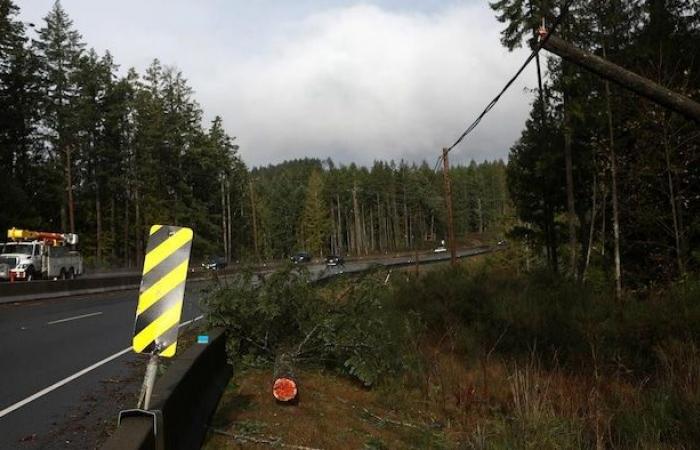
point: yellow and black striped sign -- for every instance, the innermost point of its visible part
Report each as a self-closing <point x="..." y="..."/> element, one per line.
<point x="162" y="290"/>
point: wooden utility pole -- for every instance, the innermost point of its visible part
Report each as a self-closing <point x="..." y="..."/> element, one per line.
<point x="255" y="221"/>
<point x="448" y="203"/>
<point x="623" y="77"/>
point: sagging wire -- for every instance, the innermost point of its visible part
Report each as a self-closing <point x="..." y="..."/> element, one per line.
<point x="535" y="54"/>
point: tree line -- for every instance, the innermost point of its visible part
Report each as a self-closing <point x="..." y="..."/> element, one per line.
<point x="318" y="206"/>
<point x="86" y="148"/>
<point x="600" y="175"/>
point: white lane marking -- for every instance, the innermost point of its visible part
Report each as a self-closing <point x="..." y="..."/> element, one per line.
<point x="79" y="374"/>
<point x="184" y="324"/>
<point x="68" y="319"/>
<point x="64" y="381"/>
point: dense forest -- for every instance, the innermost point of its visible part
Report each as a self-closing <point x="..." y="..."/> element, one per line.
<point x="105" y="155"/>
<point x="601" y="182"/>
<point x="600" y="174"/>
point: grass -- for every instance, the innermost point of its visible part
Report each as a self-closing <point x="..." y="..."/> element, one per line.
<point x="500" y="358"/>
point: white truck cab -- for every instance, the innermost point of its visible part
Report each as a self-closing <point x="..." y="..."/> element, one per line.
<point x="32" y="259"/>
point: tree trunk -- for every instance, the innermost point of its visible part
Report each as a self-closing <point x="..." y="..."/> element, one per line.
<point x="672" y="201"/>
<point x="371" y="230"/>
<point x="255" y="220"/>
<point x="571" y="211"/>
<point x="358" y="224"/>
<point x="481" y="215"/>
<point x="229" y="247"/>
<point x="126" y="240"/>
<point x="98" y="226"/>
<point x="113" y="229"/>
<point x="138" y="228"/>
<point x="224" y="228"/>
<point x="592" y="228"/>
<point x="69" y="189"/>
<point x="340" y="226"/>
<point x="604" y="192"/>
<point x="613" y="175"/>
<point x="407" y="239"/>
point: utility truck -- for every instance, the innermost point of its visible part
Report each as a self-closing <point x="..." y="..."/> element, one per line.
<point x="30" y="255"/>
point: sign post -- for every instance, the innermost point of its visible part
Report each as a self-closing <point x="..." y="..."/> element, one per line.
<point x="159" y="309"/>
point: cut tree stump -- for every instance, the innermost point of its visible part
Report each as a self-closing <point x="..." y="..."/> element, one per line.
<point x="284" y="386"/>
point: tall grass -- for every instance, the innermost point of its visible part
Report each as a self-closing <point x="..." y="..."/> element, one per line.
<point x="583" y="371"/>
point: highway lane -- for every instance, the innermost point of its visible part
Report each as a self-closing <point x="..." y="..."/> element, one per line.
<point x="46" y="341"/>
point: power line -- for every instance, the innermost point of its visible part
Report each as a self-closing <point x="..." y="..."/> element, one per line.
<point x="493" y="102"/>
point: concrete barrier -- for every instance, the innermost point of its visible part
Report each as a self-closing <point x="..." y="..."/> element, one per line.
<point x="40" y="290"/>
<point x="187" y="395"/>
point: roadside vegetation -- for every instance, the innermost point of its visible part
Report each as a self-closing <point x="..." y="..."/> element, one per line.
<point x="484" y="355"/>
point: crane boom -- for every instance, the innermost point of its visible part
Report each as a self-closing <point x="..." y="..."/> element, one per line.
<point x="16" y="234"/>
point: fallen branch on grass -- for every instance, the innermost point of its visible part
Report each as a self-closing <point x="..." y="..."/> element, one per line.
<point x="268" y="440"/>
<point x="390" y="421"/>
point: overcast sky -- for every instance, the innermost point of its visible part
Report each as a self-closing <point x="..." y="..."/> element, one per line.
<point x="354" y="81"/>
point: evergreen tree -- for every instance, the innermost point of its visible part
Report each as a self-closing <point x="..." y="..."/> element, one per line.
<point x="59" y="48"/>
<point x="314" y="227"/>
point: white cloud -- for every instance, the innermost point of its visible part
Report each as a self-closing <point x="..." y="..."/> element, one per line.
<point x="355" y="83"/>
<point x="361" y="83"/>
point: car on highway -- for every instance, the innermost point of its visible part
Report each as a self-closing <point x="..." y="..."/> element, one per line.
<point x="301" y="257"/>
<point x="215" y="263"/>
<point x="334" y="260"/>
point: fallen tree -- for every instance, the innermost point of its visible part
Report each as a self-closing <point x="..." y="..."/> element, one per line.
<point x="283" y="322"/>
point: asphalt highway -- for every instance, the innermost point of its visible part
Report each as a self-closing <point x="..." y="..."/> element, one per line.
<point x="66" y="367"/>
<point x="45" y="342"/>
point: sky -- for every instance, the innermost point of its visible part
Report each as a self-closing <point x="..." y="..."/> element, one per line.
<point x="353" y="81"/>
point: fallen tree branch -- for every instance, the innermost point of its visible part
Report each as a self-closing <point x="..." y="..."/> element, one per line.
<point x="268" y="440"/>
<point x="391" y="421"/>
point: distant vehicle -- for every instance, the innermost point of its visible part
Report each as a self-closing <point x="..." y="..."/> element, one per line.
<point x="215" y="263"/>
<point x="301" y="257"/>
<point x="440" y="249"/>
<point x="30" y="255"/>
<point x="502" y="242"/>
<point x="334" y="260"/>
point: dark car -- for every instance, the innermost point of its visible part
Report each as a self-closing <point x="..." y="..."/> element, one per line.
<point x="301" y="257"/>
<point x="334" y="260"/>
<point x="215" y="263"/>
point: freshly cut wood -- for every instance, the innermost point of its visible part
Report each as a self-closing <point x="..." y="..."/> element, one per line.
<point x="284" y="386"/>
<point x="284" y="389"/>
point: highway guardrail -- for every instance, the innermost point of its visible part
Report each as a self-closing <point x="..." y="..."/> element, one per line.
<point x="186" y="395"/>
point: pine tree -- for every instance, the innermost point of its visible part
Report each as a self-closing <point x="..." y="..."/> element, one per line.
<point x="314" y="226"/>
<point x="18" y="96"/>
<point x="59" y="48"/>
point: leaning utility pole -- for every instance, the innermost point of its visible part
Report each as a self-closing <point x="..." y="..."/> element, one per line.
<point x="448" y="202"/>
<point x="623" y="77"/>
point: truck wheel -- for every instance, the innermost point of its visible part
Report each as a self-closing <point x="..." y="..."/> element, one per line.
<point x="62" y="276"/>
<point x="71" y="274"/>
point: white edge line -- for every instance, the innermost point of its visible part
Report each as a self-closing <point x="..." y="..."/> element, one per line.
<point x="79" y="374"/>
<point x="68" y="319"/>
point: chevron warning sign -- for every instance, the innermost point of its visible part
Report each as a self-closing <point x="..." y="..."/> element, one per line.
<point x="162" y="290"/>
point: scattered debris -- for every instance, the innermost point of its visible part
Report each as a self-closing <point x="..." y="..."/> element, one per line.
<point x="268" y="440"/>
